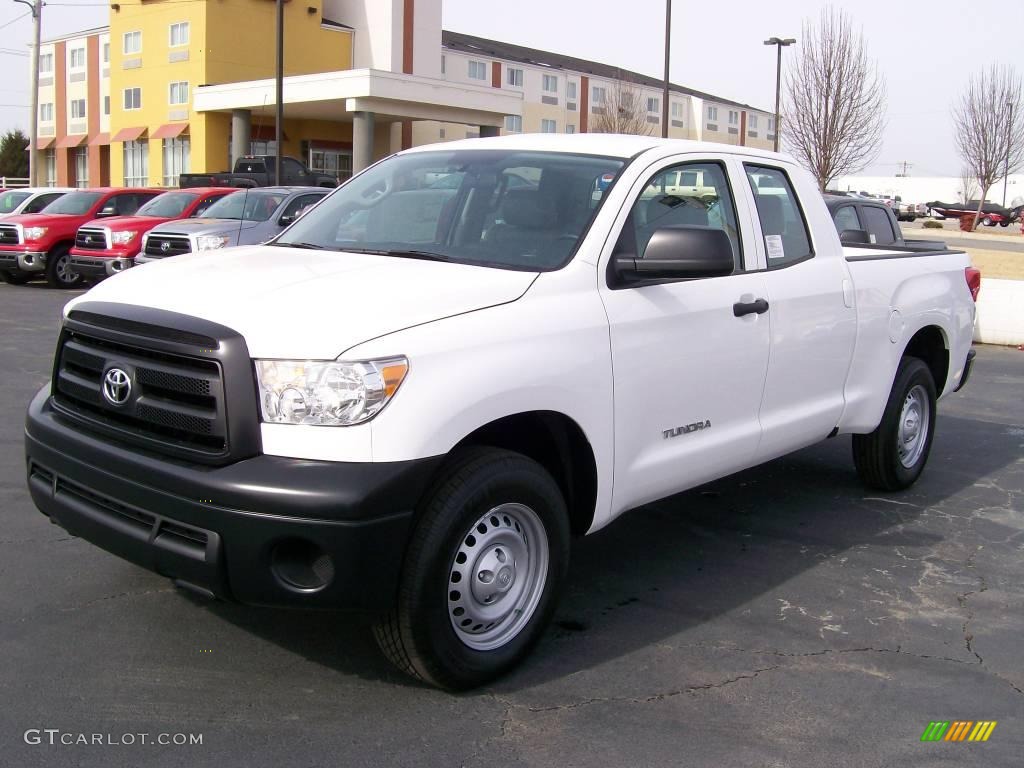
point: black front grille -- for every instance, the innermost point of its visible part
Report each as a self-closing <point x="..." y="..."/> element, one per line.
<point x="158" y="246"/>
<point x="8" y="234"/>
<point x="91" y="239"/>
<point x="175" y="399"/>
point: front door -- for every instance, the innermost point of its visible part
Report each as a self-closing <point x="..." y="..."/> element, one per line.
<point x="688" y="370"/>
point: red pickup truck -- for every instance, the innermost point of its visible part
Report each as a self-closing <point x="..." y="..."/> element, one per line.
<point x="109" y="245"/>
<point x="41" y="242"/>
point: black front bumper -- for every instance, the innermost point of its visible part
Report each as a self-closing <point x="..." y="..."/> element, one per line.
<point x="238" y="532"/>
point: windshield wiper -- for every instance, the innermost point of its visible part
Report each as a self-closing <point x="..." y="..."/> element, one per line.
<point x="402" y="253"/>
<point x="311" y="246"/>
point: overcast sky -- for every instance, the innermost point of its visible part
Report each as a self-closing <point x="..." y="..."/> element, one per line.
<point x="926" y="51"/>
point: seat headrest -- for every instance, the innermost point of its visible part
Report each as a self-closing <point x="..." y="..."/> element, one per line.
<point x="524" y="208"/>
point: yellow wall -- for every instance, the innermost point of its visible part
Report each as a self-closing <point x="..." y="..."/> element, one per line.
<point x="229" y="41"/>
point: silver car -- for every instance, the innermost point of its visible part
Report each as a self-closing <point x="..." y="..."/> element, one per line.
<point x="245" y="217"/>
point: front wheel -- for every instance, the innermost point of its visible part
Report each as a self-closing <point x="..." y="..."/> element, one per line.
<point x="987" y="221"/>
<point x="893" y="456"/>
<point x="59" y="273"/>
<point x="482" y="573"/>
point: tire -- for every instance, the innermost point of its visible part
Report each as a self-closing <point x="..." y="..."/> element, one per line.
<point x="893" y="456"/>
<point x="58" y="269"/>
<point x="493" y="528"/>
<point x="1004" y="223"/>
<point x="987" y="221"/>
<point x="15" y="278"/>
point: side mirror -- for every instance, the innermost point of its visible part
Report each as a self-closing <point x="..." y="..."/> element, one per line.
<point x="285" y="220"/>
<point x="680" y="253"/>
<point x="107" y="210"/>
<point x="854" y="237"/>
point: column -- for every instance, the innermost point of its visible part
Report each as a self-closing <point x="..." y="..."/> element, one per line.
<point x="362" y="140"/>
<point x="241" y="133"/>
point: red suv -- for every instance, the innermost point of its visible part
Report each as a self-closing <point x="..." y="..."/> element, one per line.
<point x="107" y="246"/>
<point x="41" y="242"/>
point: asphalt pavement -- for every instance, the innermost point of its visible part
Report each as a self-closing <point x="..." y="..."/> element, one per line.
<point x="783" y="616"/>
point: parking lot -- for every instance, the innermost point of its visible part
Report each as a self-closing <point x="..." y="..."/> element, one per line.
<point x="780" y="617"/>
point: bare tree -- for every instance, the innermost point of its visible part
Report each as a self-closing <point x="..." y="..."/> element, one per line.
<point x="835" y="100"/>
<point x="622" y="111"/>
<point x="968" y="185"/>
<point x="988" y="121"/>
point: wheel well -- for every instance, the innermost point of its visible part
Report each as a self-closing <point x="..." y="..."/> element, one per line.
<point x="929" y="345"/>
<point x="557" y="443"/>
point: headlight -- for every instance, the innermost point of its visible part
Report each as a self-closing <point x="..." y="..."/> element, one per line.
<point x="212" y="242"/>
<point x="123" y="238"/>
<point x="34" y="233"/>
<point x="327" y="393"/>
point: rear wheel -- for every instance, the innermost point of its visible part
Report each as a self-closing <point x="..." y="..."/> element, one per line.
<point x="59" y="273"/>
<point x="482" y="573"/>
<point x="893" y="456"/>
<point x="987" y="221"/>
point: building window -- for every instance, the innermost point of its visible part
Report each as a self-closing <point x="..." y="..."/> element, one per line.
<point x="82" y="167"/>
<point x="176" y="160"/>
<point x="734" y="117"/>
<point x="45" y="63"/>
<point x="514" y="123"/>
<point x="136" y="163"/>
<point x="550" y="83"/>
<point x="78" y="109"/>
<point x="259" y="147"/>
<point x="132" y="98"/>
<point x="570" y="90"/>
<point x="514" y="77"/>
<point x="548" y="126"/>
<point x="653" y="104"/>
<point x="132" y="43"/>
<point x="477" y="70"/>
<point x="77" y="58"/>
<point x="677" y="109"/>
<point x="106" y="105"/>
<point x="771" y="125"/>
<point x="598" y="95"/>
<point x="570" y="129"/>
<point x="712" y="113"/>
<point x="106" y="53"/>
<point x="50" y="162"/>
<point x="179" y="34"/>
<point x="46" y="113"/>
<point x="753" y="121"/>
<point x="179" y="93"/>
<point x="442" y="65"/>
<point x="334" y="162"/>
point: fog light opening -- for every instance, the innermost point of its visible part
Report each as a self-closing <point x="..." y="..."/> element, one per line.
<point x="301" y="565"/>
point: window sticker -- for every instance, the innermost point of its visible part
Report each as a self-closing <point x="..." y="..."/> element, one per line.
<point x="872" y="238"/>
<point x="774" y="245"/>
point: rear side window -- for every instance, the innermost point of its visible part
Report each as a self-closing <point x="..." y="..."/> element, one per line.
<point x="665" y="203"/>
<point x="878" y="225"/>
<point x="782" y="222"/>
<point x="846" y="218"/>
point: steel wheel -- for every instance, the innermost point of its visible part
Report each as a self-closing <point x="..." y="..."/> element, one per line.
<point x="497" y="576"/>
<point x="913" y="426"/>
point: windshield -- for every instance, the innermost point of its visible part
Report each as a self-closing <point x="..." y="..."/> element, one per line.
<point x="74" y="203"/>
<point x="247" y="205"/>
<point x="170" y="205"/>
<point x="503" y="208"/>
<point x="11" y="200"/>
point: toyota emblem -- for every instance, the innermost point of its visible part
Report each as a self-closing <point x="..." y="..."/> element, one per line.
<point x="117" y="386"/>
<point x="88" y="238"/>
<point x="165" y="246"/>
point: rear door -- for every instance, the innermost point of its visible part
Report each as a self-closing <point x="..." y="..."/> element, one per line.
<point x="688" y="372"/>
<point x="813" y="321"/>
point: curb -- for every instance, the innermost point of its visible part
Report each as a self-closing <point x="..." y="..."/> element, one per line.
<point x="1000" y="318"/>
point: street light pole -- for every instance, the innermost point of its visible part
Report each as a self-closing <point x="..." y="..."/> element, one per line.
<point x="1009" y="141"/>
<point x="779" y="43"/>
<point x="279" y="84"/>
<point x="33" y="123"/>
<point x="668" y="39"/>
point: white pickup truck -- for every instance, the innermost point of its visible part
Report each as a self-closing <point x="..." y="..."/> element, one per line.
<point x="408" y="402"/>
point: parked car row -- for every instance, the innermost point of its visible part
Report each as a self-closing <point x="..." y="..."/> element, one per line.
<point x="67" y="236"/>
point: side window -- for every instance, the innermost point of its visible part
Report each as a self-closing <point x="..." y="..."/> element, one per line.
<point x="125" y="205"/>
<point x="665" y="203"/>
<point x="846" y="218"/>
<point x="39" y="203"/>
<point x="290" y="168"/>
<point x="205" y="203"/>
<point x="299" y="203"/>
<point x="782" y="222"/>
<point x="878" y="225"/>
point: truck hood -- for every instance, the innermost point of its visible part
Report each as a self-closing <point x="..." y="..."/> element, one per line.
<point x="203" y="226"/>
<point x="126" y="223"/>
<point x="53" y="220"/>
<point x="302" y="304"/>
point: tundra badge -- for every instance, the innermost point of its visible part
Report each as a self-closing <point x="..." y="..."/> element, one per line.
<point x="686" y="429"/>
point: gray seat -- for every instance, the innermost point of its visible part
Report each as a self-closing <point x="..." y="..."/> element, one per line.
<point x="526" y="224"/>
